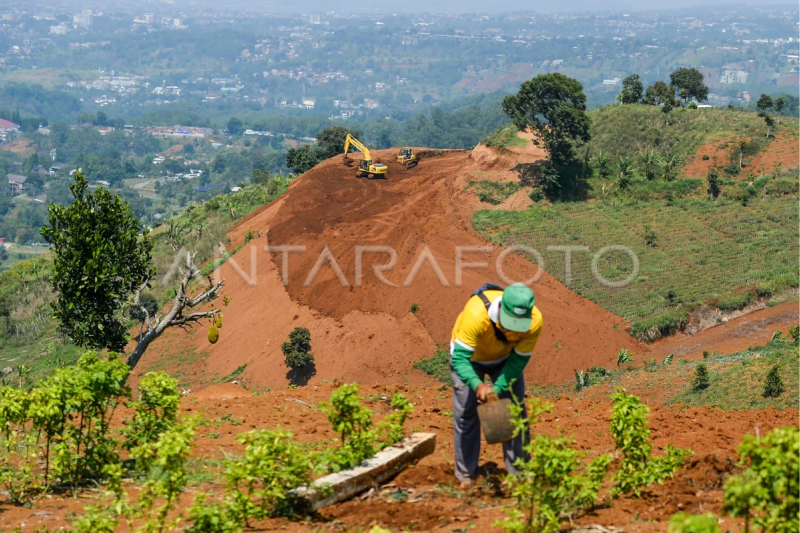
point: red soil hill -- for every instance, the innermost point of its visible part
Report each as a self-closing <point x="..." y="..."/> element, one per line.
<point x="366" y="333"/>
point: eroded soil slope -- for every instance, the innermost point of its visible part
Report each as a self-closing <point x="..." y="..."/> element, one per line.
<point x="362" y="329"/>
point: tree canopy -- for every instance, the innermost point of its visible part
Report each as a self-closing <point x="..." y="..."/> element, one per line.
<point x="554" y="106"/>
<point x="632" y="89"/>
<point x="101" y="257"/>
<point x="688" y="83"/>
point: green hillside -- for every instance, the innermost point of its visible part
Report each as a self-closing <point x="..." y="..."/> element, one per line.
<point x="698" y="250"/>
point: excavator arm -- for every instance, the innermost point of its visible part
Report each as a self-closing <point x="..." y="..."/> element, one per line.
<point x="355" y="143"/>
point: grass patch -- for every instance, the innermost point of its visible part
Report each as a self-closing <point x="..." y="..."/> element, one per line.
<point x="735" y="301"/>
<point x="504" y="137"/>
<point x="233" y="375"/>
<point x="493" y="192"/>
<point x="437" y="366"/>
<point x="655" y="327"/>
<point x="737" y="380"/>
<point x="701" y="250"/>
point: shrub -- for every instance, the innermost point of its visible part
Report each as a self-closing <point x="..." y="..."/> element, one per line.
<point x="668" y="360"/>
<point x="154" y="413"/>
<point x="624" y="356"/>
<point x="259" y="482"/>
<point x="553" y="483"/>
<point x="638" y="468"/>
<point x="767" y="492"/>
<point x="414" y="308"/>
<point x="297" y="352"/>
<point x="686" y="523"/>
<point x="536" y="195"/>
<point x="773" y="384"/>
<point x="582" y="380"/>
<point x="655" y="327"/>
<point x="701" y="378"/>
<point x="735" y="302"/>
<point x="437" y="366"/>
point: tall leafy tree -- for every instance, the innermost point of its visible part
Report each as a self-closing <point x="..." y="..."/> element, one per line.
<point x="764" y="102"/>
<point x="235" y="126"/>
<point x="330" y="141"/>
<point x="300" y="159"/>
<point x="658" y="93"/>
<point x="632" y="89"/>
<point x="555" y="107"/>
<point x="101" y="267"/>
<point x="688" y="82"/>
<point x="101" y="258"/>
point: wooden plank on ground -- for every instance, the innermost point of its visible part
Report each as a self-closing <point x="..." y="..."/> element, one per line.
<point x="376" y="470"/>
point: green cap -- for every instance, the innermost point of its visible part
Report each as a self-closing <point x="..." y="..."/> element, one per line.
<point x="516" y="307"/>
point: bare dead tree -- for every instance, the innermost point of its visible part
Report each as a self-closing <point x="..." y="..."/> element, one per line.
<point x="155" y="326"/>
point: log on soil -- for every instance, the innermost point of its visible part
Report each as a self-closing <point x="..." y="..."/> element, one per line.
<point x="376" y="470"/>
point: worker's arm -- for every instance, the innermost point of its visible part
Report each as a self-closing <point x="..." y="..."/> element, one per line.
<point x="512" y="369"/>
<point x="516" y="362"/>
<point x="460" y="357"/>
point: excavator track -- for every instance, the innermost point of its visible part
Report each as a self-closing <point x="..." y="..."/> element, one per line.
<point x="412" y="164"/>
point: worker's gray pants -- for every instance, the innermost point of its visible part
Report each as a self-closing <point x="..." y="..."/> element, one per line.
<point x="468" y="428"/>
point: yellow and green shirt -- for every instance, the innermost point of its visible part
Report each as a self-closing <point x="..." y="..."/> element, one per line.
<point x="474" y="339"/>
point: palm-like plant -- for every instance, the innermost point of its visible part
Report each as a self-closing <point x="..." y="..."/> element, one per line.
<point x="603" y="164"/>
<point x="671" y="161"/>
<point x="650" y="160"/>
<point x="624" y="356"/>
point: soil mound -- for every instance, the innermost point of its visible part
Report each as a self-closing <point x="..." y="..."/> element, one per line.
<point x="361" y="326"/>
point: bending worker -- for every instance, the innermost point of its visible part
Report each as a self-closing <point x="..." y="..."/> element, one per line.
<point x="494" y="335"/>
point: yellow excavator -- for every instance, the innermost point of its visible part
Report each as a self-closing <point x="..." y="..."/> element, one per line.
<point x="366" y="168"/>
<point x="407" y="158"/>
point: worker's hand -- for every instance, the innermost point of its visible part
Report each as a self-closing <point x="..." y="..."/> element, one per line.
<point x="482" y="392"/>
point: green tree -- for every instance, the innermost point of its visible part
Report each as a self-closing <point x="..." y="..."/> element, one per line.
<point x="301" y="159"/>
<point x="102" y="265"/>
<point x="666" y="108"/>
<point x="690" y="81"/>
<point x="260" y="176"/>
<point x="770" y="122"/>
<point x="555" y="107"/>
<point x="100" y="258"/>
<point x="778" y="104"/>
<point x="773" y="384"/>
<point x="712" y="177"/>
<point x="297" y="352"/>
<point x="764" y="102"/>
<point x="330" y="142"/>
<point x="658" y="93"/>
<point x="701" y="378"/>
<point x="632" y="88"/>
<point x="235" y="126"/>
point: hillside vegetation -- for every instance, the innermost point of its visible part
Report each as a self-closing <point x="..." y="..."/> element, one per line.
<point x="31" y="347"/>
<point x="691" y="252"/>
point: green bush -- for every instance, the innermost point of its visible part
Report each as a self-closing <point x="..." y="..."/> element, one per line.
<point x="766" y="493"/>
<point x="437" y="366"/>
<point x="638" y="469"/>
<point x="734" y="302"/>
<point x="259" y="483"/>
<point x="59" y="431"/>
<point x="701" y="379"/>
<point x="554" y="483"/>
<point x="297" y="352"/>
<point x="686" y="523"/>
<point x="655" y="327"/>
<point x="773" y="384"/>
<point x="154" y="413"/>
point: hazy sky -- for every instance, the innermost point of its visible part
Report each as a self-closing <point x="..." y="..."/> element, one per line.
<point x="494" y="6"/>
